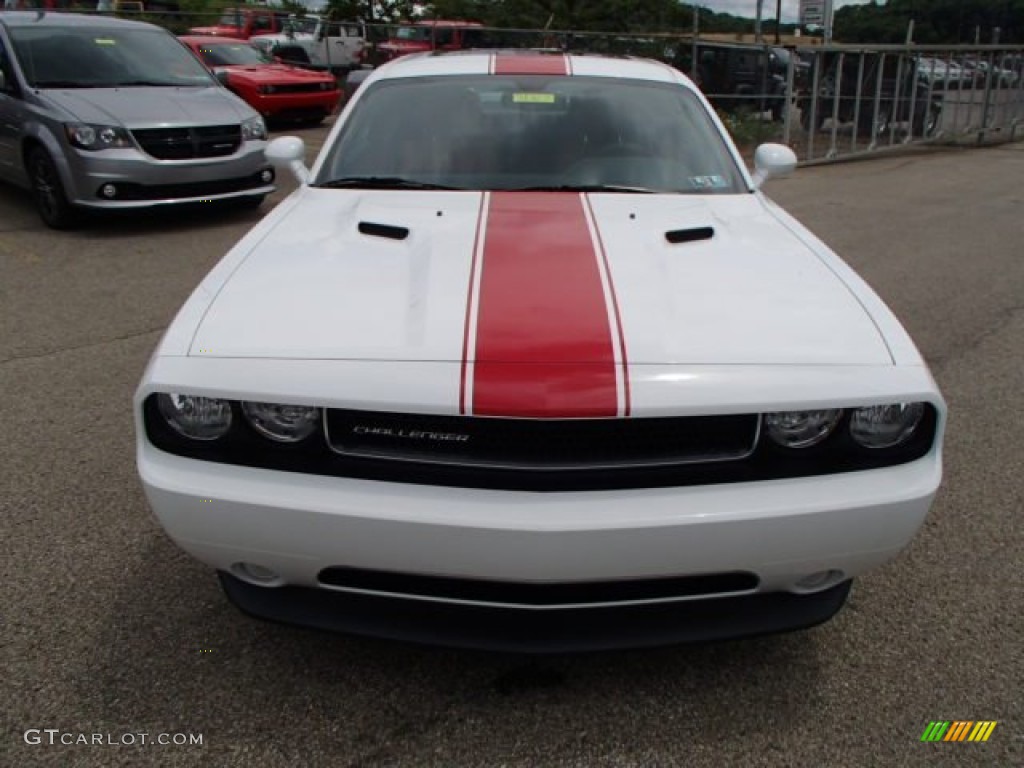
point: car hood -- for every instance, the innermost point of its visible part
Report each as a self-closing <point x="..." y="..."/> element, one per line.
<point x="519" y="277"/>
<point x="217" y="31"/>
<point x="142" y="107"/>
<point x="282" y="39"/>
<point x="275" y="73"/>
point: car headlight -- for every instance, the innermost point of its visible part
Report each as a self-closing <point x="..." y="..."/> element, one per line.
<point x="254" y="129"/>
<point x="885" y="426"/>
<point x="284" y="423"/>
<point x="801" y="429"/>
<point x="200" y="418"/>
<point x="95" y="137"/>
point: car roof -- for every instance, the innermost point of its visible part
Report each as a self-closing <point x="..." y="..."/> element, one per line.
<point x="13" y="19"/>
<point x="481" y="61"/>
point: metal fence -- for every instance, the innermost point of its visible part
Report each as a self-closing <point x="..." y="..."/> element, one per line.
<point x="825" y="102"/>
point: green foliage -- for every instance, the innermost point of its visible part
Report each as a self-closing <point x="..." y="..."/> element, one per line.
<point x="371" y="10"/>
<point x="935" y="21"/>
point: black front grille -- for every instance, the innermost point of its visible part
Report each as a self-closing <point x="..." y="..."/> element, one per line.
<point x="541" y="444"/>
<point x="299" y="88"/>
<point x="243" y="446"/>
<point x="540" y="594"/>
<point x="189" y="143"/>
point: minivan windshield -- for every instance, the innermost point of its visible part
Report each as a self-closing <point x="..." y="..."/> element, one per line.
<point x="532" y="132"/>
<point x="105" y="57"/>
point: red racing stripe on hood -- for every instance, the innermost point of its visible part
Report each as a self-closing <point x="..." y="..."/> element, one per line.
<point x="531" y="64"/>
<point x="542" y="314"/>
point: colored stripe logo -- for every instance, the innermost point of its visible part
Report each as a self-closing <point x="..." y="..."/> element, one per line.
<point x="542" y="336"/>
<point x="958" y="730"/>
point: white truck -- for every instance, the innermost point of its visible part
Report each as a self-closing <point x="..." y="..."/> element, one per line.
<point x="317" y="42"/>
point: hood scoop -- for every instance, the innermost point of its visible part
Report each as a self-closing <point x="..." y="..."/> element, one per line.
<point x="387" y="231"/>
<point x="692" y="235"/>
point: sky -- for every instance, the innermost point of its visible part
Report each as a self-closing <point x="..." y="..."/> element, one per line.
<point x="790" y="8"/>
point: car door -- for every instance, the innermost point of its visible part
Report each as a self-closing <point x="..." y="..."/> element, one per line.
<point x="12" y="115"/>
<point x="341" y="45"/>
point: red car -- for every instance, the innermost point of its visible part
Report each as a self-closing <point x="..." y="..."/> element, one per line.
<point x="243" y="23"/>
<point x="275" y="90"/>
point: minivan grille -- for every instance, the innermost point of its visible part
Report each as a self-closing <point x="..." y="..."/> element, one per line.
<point x="540" y="444"/>
<point x="189" y="143"/>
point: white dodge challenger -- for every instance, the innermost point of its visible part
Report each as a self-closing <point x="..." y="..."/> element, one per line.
<point x="528" y="362"/>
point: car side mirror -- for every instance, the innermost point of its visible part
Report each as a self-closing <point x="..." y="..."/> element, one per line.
<point x="289" y="152"/>
<point x="222" y="76"/>
<point x="772" y="161"/>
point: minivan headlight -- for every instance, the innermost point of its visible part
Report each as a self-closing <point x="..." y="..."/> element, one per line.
<point x="94" y="137"/>
<point x="254" y="129"/>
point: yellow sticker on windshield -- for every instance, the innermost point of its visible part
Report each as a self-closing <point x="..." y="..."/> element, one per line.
<point x="533" y="98"/>
<point x="104" y="41"/>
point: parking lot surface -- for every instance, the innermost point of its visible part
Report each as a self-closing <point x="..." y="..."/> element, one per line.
<point x="107" y="628"/>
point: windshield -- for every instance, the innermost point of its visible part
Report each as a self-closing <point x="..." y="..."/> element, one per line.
<point x="532" y="132"/>
<point x="413" y="33"/>
<point x="97" y="57"/>
<point x="232" y="54"/>
<point x="232" y="19"/>
<point x="301" y="26"/>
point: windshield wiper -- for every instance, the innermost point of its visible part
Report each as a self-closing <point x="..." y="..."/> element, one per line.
<point x="381" y="182"/>
<point x="143" y="83"/>
<point x="64" y="84"/>
<point x="585" y="188"/>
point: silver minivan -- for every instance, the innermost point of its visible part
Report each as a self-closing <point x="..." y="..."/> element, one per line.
<point x="98" y="112"/>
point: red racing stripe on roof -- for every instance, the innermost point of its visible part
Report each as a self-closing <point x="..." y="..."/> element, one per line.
<point x="544" y="340"/>
<point x="534" y="64"/>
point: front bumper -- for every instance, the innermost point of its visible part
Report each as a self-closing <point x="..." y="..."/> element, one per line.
<point x="281" y="104"/>
<point x="497" y="629"/>
<point x="145" y="181"/>
<point x="779" y="532"/>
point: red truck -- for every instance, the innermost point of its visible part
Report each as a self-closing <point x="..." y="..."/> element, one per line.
<point x="431" y="35"/>
<point x="243" y="23"/>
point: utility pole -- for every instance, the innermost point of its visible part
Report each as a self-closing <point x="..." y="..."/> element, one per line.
<point x="758" y="38"/>
<point x="778" y="21"/>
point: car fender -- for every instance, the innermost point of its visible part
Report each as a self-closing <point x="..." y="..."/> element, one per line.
<point x="36" y="132"/>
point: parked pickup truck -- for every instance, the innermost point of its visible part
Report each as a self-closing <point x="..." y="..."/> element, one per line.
<point x="243" y="23"/>
<point x="432" y="35"/>
<point x="311" y="41"/>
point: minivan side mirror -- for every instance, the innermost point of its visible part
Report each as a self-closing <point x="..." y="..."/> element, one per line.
<point x="222" y="76"/>
<point x="772" y="161"/>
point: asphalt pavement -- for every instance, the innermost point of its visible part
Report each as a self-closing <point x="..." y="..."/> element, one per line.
<point x="107" y="630"/>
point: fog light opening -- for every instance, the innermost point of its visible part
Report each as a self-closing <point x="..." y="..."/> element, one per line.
<point x="815" y="582"/>
<point x="108" y="191"/>
<point x="267" y="176"/>
<point x="256" y="574"/>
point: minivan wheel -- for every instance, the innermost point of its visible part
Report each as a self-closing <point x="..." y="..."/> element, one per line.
<point x="51" y="202"/>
